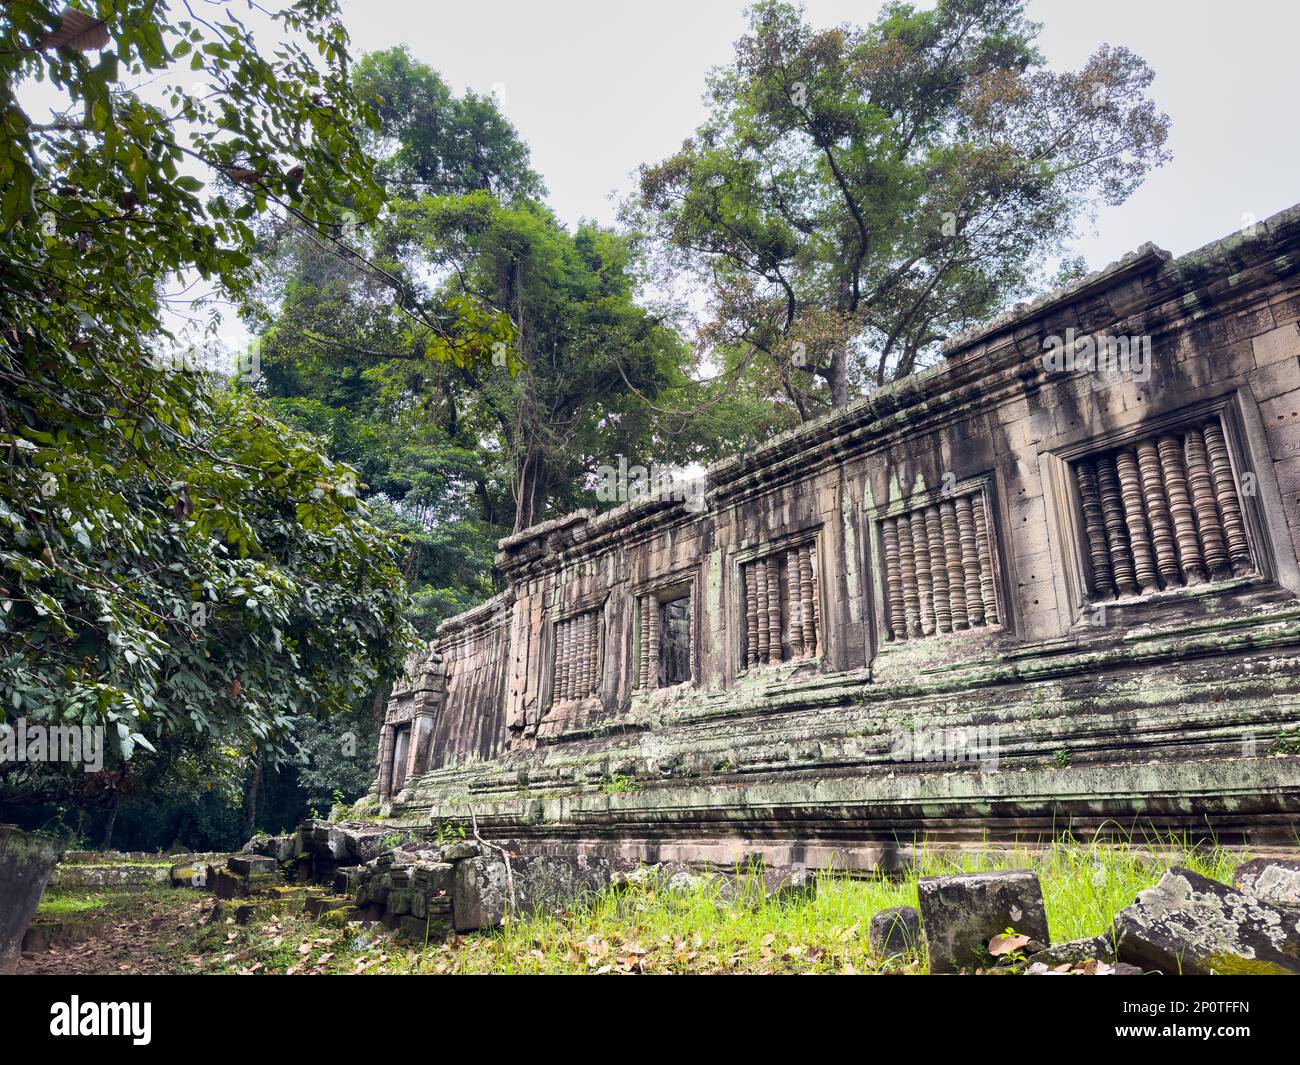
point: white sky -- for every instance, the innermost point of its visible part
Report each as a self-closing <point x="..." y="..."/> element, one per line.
<point x="597" y="87"/>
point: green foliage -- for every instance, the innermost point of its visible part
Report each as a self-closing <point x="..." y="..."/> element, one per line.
<point x="449" y="832"/>
<point x="660" y="924"/>
<point x="176" y="565"/>
<point x="858" y="194"/>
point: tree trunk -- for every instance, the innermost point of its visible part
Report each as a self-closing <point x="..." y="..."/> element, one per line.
<point x="253" y="789"/>
<point x="839" y="379"/>
<point x="530" y="503"/>
<point x="108" y="825"/>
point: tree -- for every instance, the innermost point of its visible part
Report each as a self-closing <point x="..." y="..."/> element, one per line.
<point x="176" y="566"/>
<point x="592" y="361"/>
<point x="858" y="194"/>
<point x="572" y="386"/>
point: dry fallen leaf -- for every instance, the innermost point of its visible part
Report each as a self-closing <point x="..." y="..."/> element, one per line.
<point x="1000" y="945"/>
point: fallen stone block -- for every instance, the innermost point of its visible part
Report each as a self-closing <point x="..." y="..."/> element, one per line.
<point x="458" y="852"/>
<point x="896" y="930"/>
<point x="251" y="864"/>
<point x="322" y="904"/>
<point x="1273" y="880"/>
<point x="1192" y="925"/>
<point x="1077" y="951"/>
<point x="227" y="884"/>
<point x="960" y="914"/>
<point x="418" y="929"/>
<point x="189" y="875"/>
<point x="278" y="848"/>
<point x="542" y="883"/>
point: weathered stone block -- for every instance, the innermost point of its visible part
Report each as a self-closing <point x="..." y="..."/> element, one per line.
<point x="399" y="902"/>
<point x="26" y="862"/>
<point x="1192" y="925"/>
<point x="1078" y="951"/>
<point x="434" y="877"/>
<point x="1273" y="880"/>
<point x="960" y="914"/>
<point x="251" y="864"/>
<point x="188" y="875"/>
<point x="550" y="883"/>
<point x="1278" y="344"/>
<point x="227" y="884"/>
<point x="418" y="929"/>
<point x="896" y="930"/>
<point x="278" y="848"/>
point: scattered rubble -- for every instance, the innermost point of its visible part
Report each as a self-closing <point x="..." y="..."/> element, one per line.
<point x="991" y="922"/>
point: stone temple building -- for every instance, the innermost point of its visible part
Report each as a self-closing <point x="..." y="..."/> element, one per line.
<point x="1048" y="585"/>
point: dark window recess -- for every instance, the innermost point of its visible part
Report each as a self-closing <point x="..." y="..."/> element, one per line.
<point x="401" y="749"/>
<point x="675" y="642"/>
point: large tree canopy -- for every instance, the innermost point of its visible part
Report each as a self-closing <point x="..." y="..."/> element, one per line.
<point x="467" y="449"/>
<point x="176" y="565"/>
<point x="858" y="194"/>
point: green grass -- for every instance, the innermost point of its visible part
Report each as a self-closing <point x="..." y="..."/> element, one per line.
<point x="96" y="901"/>
<point x="651" y="927"/>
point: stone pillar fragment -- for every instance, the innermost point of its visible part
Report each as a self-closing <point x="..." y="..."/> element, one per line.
<point x="808" y="593"/>
<point x="938" y="571"/>
<point x="651" y="634"/>
<point x="794" y="597"/>
<point x="760" y="585"/>
<point x="907" y="574"/>
<point x="774" y="633"/>
<point x="924" y="587"/>
<point x="750" y="580"/>
<point x="893" y="580"/>
<point x="1094" y="530"/>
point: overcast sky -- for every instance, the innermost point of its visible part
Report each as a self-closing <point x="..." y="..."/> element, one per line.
<point x="598" y="87"/>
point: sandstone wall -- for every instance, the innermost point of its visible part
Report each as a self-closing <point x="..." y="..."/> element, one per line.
<point x="991" y="544"/>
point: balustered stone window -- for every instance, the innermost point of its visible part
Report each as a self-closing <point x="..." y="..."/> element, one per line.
<point x="1162" y="512"/>
<point x="577" y="654"/>
<point x="664" y="638"/>
<point x="782" y="616"/>
<point x="940" y="570"/>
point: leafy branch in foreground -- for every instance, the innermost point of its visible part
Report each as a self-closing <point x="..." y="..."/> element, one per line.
<point x="175" y="564"/>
